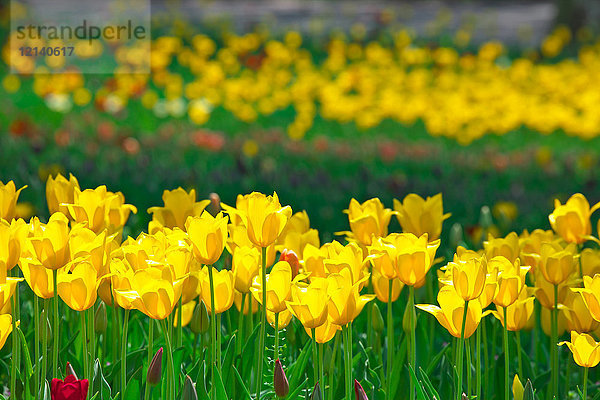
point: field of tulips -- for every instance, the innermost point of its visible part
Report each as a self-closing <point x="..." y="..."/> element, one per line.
<point x="242" y="301"/>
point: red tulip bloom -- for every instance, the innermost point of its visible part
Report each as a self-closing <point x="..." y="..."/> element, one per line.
<point x="69" y="389"/>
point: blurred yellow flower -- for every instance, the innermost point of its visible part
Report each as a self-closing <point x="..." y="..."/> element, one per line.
<point x="60" y="192"/>
<point x="8" y="200"/>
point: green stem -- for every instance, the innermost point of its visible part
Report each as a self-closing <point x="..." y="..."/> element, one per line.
<point x="585" y="379"/>
<point x="171" y="369"/>
<point x="92" y="339"/>
<point x="336" y="344"/>
<point x="238" y="342"/>
<point x="13" y="354"/>
<point x="478" y="364"/>
<point x="213" y="334"/>
<point x="321" y="374"/>
<point x="469" y="380"/>
<point x="459" y="357"/>
<point x="506" y="359"/>
<point x="315" y="358"/>
<point x="86" y="374"/>
<point x="218" y="328"/>
<point x="413" y="344"/>
<point x="276" y="347"/>
<point x="263" y="323"/>
<point x="553" y="348"/>
<point x="180" y="324"/>
<point x="115" y="326"/>
<point x="56" y="335"/>
<point x="347" y="361"/>
<point x="124" y="355"/>
<point x="519" y="357"/>
<point x="44" y="345"/>
<point x="36" y="345"/>
<point x="390" y="342"/>
<point x="150" y="354"/>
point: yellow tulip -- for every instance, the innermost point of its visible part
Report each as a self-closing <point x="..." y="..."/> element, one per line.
<point x="309" y="303"/>
<point x="367" y="220"/>
<point x="578" y="316"/>
<point x="224" y="289"/>
<point x="591" y="295"/>
<point x="414" y="257"/>
<point x="49" y="243"/>
<point x="297" y="234"/>
<point x="178" y="206"/>
<point x="544" y="291"/>
<point x="531" y="244"/>
<point x="96" y="248"/>
<point x="518" y="314"/>
<point x="121" y="284"/>
<point x="245" y="266"/>
<point x="8" y="200"/>
<point x="507" y="247"/>
<point x="60" y="192"/>
<point x="238" y="237"/>
<point x="419" y="216"/>
<point x="381" y="286"/>
<point x="555" y="263"/>
<point x="39" y="278"/>
<point x="7" y="289"/>
<point x="284" y="319"/>
<point x="279" y="285"/>
<point x="382" y="256"/>
<point x="546" y="321"/>
<point x="237" y="300"/>
<point x="572" y="219"/>
<point x="312" y="261"/>
<point x="263" y="216"/>
<point x="345" y="303"/>
<point x="325" y="332"/>
<point x="6" y="327"/>
<point x="208" y="235"/>
<point x="590" y="261"/>
<point x="510" y="281"/>
<point x="192" y="284"/>
<point x="517" y="388"/>
<point x="12" y="236"/>
<point x="469" y="277"/>
<point x="90" y="207"/>
<point x="187" y="311"/>
<point x="117" y="213"/>
<point x="586" y="351"/>
<point x="349" y="257"/>
<point x="450" y="313"/>
<point x="78" y="287"/>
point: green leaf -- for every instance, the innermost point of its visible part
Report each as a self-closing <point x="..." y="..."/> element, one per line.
<point x="428" y="386"/>
<point x="296" y="370"/>
<point x="296" y="393"/>
<point x="99" y="384"/>
<point x="228" y="361"/>
<point x="221" y="394"/>
<point x="528" y="392"/>
<point x="398" y="366"/>
<point x="421" y="395"/>
<point x="436" y="359"/>
<point x="241" y="382"/>
<point x="134" y="391"/>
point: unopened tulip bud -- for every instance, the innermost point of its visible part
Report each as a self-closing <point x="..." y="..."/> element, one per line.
<point x="517" y="388"/>
<point x="360" y="392"/>
<point x="280" y="382"/>
<point x="189" y="390"/>
<point x="100" y="319"/>
<point x="377" y="318"/>
<point x="215" y="204"/>
<point x="200" y="319"/>
<point x="456" y="235"/>
<point x="316" y="393"/>
<point x="485" y="217"/>
<point x="155" y="368"/>
<point x="70" y="371"/>
<point x="292" y="258"/>
<point x="44" y="323"/>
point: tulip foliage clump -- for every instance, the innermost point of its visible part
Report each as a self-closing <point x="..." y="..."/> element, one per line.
<point x="243" y="301"/>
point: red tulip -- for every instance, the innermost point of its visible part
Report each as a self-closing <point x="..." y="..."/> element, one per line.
<point x="69" y="389"/>
<point x="280" y="382"/>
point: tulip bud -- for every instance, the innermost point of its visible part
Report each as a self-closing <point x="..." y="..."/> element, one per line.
<point x="517" y="388"/>
<point x="200" y="319"/>
<point x="155" y="368"/>
<point x="189" y="389"/>
<point x="360" y="392"/>
<point x="70" y="371"/>
<point x="292" y="258"/>
<point x="406" y="318"/>
<point x="485" y="217"/>
<point x="44" y="321"/>
<point x="456" y="235"/>
<point x="280" y="382"/>
<point x="316" y="393"/>
<point x="100" y="319"/>
<point x="529" y="393"/>
<point x="215" y="204"/>
<point x="377" y="318"/>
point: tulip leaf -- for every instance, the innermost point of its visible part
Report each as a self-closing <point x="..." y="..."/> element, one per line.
<point x="200" y="380"/>
<point x="295" y="394"/>
<point x="398" y="367"/>
<point x="248" y="353"/>
<point x="436" y="359"/>
<point x="421" y="395"/>
<point x="133" y="390"/>
<point x="597" y="396"/>
<point x="47" y="394"/>
<point x="296" y="370"/>
<point x="221" y="394"/>
<point x="99" y="384"/>
<point x="228" y="361"/>
<point x="28" y="368"/>
<point x="428" y="386"/>
<point x="241" y="382"/>
<point x="529" y="392"/>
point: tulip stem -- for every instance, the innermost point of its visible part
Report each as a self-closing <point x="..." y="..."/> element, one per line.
<point x="263" y="323"/>
<point x="390" y="341"/>
<point x="413" y="345"/>
<point x="347" y="361"/>
<point x="218" y="329"/>
<point x="519" y="357"/>
<point x="459" y="353"/>
<point x="486" y="360"/>
<point x="36" y="346"/>
<point x="13" y="354"/>
<point x="56" y="335"/>
<point x="315" y="357"/>
<point x="213" y="334"/>
<point x="179" y="324"/>
<point x="469" y="380"/>
<point x="506" y="359"/>
<point x="238" y="342"/>
<point x="92" y="340"/>
<point x="150" y="346"/>
<point x="44" y="345"/>
<point x="585" y="379"/>
<point x="478" y="364"/>
<point x="124" y="354"/>
<point x="321" y="373"/>
<point x="115" y="326"/>
<point x="171" y="369"/>
<point x="553" y="348"/>
<point x="276" y="347"/>
<point x="336" y="344"/>
<point x="86" y="374"/>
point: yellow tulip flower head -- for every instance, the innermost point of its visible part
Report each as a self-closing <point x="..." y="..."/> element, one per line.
<point x="555" y="263"/>
<point x="382" y="255"/>
<point x="60" y="192"/>
<point x="345" y="303"/>
<point x="284" y="319"/>
<point x="419" y="216"/>
<point x="507" y="247"/>
<point x="39" y="278"/>
<point x="297" y="234"/>
<point x="309" y="303"/>
<point x="451" y="310"/>
<point x="531" y="245"/>
<point x="12" y="235"/>
<point x="245" y="266"/>
<point x="312" y="261"/>
<point x="579" y="318"/>
<point x="178" y="206"/>
<point x="85" y="243"/>
<point x="90" y="207"/>
<point x="6" y="327"/>
<point x="78" y="287"/>
<point x="349" y="257"/>
<point x="381" y="286"/>
<point x="510" y="281"/>
<point x="237" y="300"/>
<point x="192" y="284"/>
<point x="591" y="295"/>
<point x="8" y="200"/>
<point x="121" y="283"/>
<point x="590" y="261"/>
<point x="238" y="237"/>
<point x="517" y="388"/>
<point x="414" y="257"/>
<point x="49" y="243"/>
<point x="544" y="290"/>
<point x="586" y="351"/>
<point x="367" y="220"/>
<point x="469" y="277"/>
<point x="279" y="285"/>
<point x="518" y="314"/>
<point x="187" y="311"/>
<point x="572" y="219"/>
<point x="263" y="216"/>
<point x="208" y="235"/>
<point x="224" y="282"/>
<point x="117" y="213"/>
<point x="325" y="332"/>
